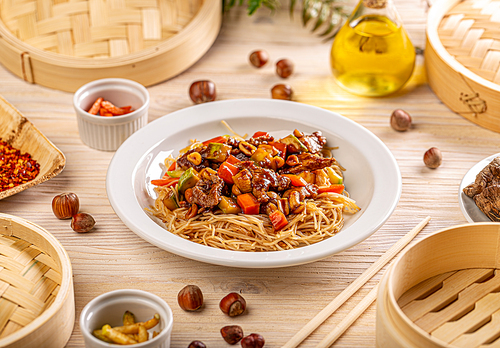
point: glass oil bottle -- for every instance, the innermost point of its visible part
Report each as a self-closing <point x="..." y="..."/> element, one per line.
<point x="372" y="54"/>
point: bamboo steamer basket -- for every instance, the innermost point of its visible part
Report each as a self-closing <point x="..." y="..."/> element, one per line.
<point x="64" y="44"/>
<point x="462" y="58"/>
<point x="37" y="306"/>
<point x="443" y="291"/>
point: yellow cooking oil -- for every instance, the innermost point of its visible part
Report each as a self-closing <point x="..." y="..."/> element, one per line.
<point x="372" y="56"/>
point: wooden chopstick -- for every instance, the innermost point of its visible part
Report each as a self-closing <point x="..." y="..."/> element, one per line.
<point x="326" y="312"/>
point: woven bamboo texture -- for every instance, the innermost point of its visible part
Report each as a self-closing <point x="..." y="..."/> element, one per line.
<point x="64" y="44"/>
<point x="470" y="32"/>
<point x="462" y="58"/>
<point x="36" y="287"/>
<point x="96" y="28"/>
<point x="21" y="134"/>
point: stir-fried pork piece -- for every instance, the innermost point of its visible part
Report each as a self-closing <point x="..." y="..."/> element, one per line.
<point x="264" y="179"/>
<point x="314" y="142"/>
<point x="310" y="163"/>
<point x="207" y="191"/>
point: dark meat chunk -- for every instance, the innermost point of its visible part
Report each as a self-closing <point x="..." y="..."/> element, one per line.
<point x="185" y="164"/>
<point x="263" y="180"/>
<point x="207" y="192"/>
<point x="310" y="163"/>
<point x="261" y="140"/>
<point x="485" y="190"/>
<point x="313" y="142"/>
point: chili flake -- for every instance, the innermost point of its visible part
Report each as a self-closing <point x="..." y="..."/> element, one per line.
<point x="15" y="168"/>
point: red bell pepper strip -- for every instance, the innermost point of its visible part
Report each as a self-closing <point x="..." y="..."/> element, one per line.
<point x="260" y="134"/>
<point x="337" y="188"/>
<point x="226" y="171"/>
<point x="165" y="182"/>
<point x="172" y="167"/>
<point x="248" y="203"/>
<point x="278" y="219"/>
<point x="296" y="180"/>
<point x="96" y="106"/>
<point x="220" y="139"/>
<point x="280" y="147"/>
<point x="233" y="160"/>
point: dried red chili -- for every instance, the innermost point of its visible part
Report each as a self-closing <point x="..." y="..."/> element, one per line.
<point x="16" y="168"/>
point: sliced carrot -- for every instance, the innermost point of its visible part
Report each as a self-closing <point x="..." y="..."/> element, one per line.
<point x="96" y="106"/>
<point x="337" y="188"/>
<point x="233" y="160"/>
<point x="172" y="166"/>
<point x="296" y="180"/>
<point x="248" y="203"/>
<point x="278" y="219"/>
<point x="226" y="172"/>
<point x="220" y="139"/>
<point x="165" y="182"/>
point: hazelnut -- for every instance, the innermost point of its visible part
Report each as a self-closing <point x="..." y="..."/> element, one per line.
<point x="284" y="68"/>
<point x="232" y="334"/>
<point x="65" y="205"/>
<point x="197" y="344"/>
<point x="281" y="91"/>
<point x="82" y="222"/>
<point x="233" y="304"/>
<point x="190" y="298"/>
<point x="400" y="120"/>
<point x="259" y="58"/>
<point x="433" y="157"/>
<point x="202" y="91"/>
<point x="253" y="340"/>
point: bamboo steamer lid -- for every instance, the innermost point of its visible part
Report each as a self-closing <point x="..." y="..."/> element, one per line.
<point x="443" y="291"/>
<point x="63" y="44"/>
<point x="37" y="306"/>
<point x="462" y="58"/>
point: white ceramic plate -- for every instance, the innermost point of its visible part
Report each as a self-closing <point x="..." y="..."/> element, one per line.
<point x="467" y="205"/>
<point x="372" y="177"/>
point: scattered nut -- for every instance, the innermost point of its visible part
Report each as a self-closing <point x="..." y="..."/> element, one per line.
<point x="233" y="304"/>
<point x="253" y="340"/>
<point x="232" y="334"/>
<point x="259" y="58"/>
<point x="433" y="157"/>
<point x="65" y="205"/>
<point x="281" y="91"/>
<point x="400" y="120"/>
<point x="82" y="222"/>
<point x="202" y="91"/>
<point x="284" y="68"/>
<point x="190" y="298"/>
<point x="197" y="344"/>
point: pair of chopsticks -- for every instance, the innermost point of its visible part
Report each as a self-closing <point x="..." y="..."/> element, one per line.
<point x="348" y="292"/>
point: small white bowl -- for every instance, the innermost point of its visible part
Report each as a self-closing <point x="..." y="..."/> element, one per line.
<point x="108" y="133"/>
<point x="109" y="308"/>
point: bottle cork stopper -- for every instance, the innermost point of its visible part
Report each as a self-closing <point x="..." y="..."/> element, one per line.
<point x="376" y="4"/>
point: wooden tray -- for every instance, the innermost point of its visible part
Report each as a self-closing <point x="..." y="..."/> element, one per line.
<point x="462" y="59"/>
<point x="64" y="44"/>
<point x="21" y="134"/>
<point x="443" y="292"/>
<point x="37" y="306"/>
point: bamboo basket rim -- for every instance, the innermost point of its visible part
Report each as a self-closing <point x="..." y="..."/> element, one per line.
<point x="66" y="282"/>
<point x="390" y="283"/>
<point x="434" y="18"/>
<point x="131" y="58"/>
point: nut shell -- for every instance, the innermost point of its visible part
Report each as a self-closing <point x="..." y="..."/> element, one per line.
<point x="233" y="304"/>
<point x="400" y="120"/>
<point x="197" y="344"/>
<point x="65" y="205"/>
<point x="258" y="58"/>
<point x="282" y="91"/>
<point x="82" y="222"/>
<point x="202" y="91"/>
<point x="284" y="68"/>
<point x="433" y="158"/>
<point x="232" y="334"/>
<point x="190" y="298"/>
<point x="253" y="340"/>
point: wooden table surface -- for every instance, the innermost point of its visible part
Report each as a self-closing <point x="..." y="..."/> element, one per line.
<point x="283" y="300"/>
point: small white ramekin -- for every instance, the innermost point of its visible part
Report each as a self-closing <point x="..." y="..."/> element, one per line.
<point x="109" y="308"/>
<point x="108" y="133"/>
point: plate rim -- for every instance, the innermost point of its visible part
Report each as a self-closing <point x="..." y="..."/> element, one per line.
<point x="474" y="170"/>
<point x="259" y="108"/>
